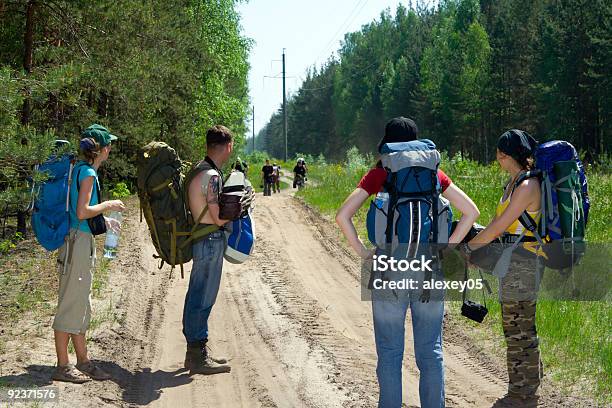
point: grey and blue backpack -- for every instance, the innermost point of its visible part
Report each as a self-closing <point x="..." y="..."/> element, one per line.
<point x="410" y="214"/>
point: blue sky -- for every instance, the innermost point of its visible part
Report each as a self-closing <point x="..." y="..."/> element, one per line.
<point x="309" y="30"/>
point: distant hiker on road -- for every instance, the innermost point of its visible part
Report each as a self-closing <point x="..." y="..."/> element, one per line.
<point x="267" y="172"/>
<point x="203" y="191"/>
<point x="276" y="174"/>
<point x="299" y="173"/>
<point x="390" y="315"/>
<point x="241" y="166"/>
<point x="76" y="258"/>
<point x="518" y="287"/>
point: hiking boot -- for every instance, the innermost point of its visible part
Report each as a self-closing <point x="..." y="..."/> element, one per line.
<point x="516" y="401"/>
<point x="202" y="347"/>
<point x="93" y="371"/>
<point x="199" y="361"/>
<point x="218" y="360"/>
<point x="68" y="373"/>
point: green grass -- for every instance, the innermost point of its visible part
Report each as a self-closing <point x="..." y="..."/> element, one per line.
<point x="575" y="336"/>
<point x="100" y="277"/>
<point x="28" y="287"/>
<point x="28" y="283"/>
<point x="106" y="315"/>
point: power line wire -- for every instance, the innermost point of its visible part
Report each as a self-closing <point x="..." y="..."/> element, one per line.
<point x="360" y="5"/>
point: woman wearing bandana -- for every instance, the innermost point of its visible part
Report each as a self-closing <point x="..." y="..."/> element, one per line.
<point x="519" y="278"/>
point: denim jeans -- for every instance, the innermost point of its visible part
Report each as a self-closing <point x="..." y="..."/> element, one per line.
<point x="203" y="286"/>
<point x="389" y="320"/>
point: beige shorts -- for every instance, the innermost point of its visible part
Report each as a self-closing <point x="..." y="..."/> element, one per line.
<point x="76" y="261"/>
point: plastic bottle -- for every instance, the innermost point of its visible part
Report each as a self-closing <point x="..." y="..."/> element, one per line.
<point x="112" y="238"/>
<point x="381" y="199"/>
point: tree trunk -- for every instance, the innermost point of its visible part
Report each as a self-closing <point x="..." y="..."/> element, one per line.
<point x="28" y="42"/>
<point x="102" y="103"/>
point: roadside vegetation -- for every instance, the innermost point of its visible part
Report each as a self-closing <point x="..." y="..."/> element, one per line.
<point x="148" y="71"/>
<point x="29" y="280"/>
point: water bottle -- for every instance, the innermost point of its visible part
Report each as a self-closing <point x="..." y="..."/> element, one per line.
<point x="112" y="238"/>
<point x="381" y="199"/>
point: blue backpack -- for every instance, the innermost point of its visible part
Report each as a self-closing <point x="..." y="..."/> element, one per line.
<point x="410" y="210"/>
<point x="565" y="203"/>
<point x="50" y="219"/>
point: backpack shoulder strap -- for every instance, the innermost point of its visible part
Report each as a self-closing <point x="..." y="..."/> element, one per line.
<point x="198" y="231"/>
<point x="78" y="185"/>
<point x="527" y="175"/>
<point x="525" y="219"/>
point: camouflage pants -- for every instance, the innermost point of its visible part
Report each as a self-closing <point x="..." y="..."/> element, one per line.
<point x="518" y="301"/>
<point x="523" y="355"/>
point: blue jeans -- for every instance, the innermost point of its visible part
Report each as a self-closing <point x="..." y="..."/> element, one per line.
<point x="389" y="319"/>
<point x="203" y="286"/>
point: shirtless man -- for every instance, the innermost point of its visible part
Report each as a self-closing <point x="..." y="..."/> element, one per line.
<point x="204" y="190"/>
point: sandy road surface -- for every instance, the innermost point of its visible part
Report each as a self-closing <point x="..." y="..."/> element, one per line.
<point x="292" y="321"/>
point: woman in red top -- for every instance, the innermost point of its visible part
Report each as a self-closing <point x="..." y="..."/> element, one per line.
<point x="389" y="316"/>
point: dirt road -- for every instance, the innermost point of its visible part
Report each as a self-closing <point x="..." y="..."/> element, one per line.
<point x="292" y="321"/>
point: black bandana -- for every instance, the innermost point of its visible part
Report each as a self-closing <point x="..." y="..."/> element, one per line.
<point x="517" y="144"/>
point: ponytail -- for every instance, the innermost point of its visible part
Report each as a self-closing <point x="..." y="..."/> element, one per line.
<point x="89" y="149"/>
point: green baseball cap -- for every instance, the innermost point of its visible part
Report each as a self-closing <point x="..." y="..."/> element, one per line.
<point x="100" y="134"/>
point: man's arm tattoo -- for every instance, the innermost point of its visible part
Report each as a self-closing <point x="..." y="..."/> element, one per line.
<point x="212" y="196"/>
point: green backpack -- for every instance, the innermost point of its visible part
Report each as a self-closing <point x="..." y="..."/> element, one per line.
<point x="162" y="191"/>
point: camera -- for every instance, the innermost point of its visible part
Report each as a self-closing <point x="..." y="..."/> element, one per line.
<point x="474" y="311"/>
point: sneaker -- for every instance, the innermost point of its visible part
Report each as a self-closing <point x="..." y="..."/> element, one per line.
<point x="93" y="371"/>
<point x="68" y="373"/>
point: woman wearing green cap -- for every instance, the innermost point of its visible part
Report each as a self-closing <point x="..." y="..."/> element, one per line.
<point x="519" y="277"/>
<point x="77" y="257"/>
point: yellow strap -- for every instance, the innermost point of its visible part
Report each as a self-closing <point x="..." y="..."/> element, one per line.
<point x="172" y="241"/>
<point x="164" y="184"/>
<point x="200" y="233"/>
<point x="200" y="218"/>
<point x="151" y="222"/>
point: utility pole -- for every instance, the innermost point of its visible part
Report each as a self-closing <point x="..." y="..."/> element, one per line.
<point x="284" y="107"/>
<point x="284" y="76"/>
<point x="253" y="126"/>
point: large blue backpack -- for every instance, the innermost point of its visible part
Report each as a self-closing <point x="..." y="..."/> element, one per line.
<point x="50" y="219"/>
<point x="410" y="210"/>
<point x="565" y="203"/>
